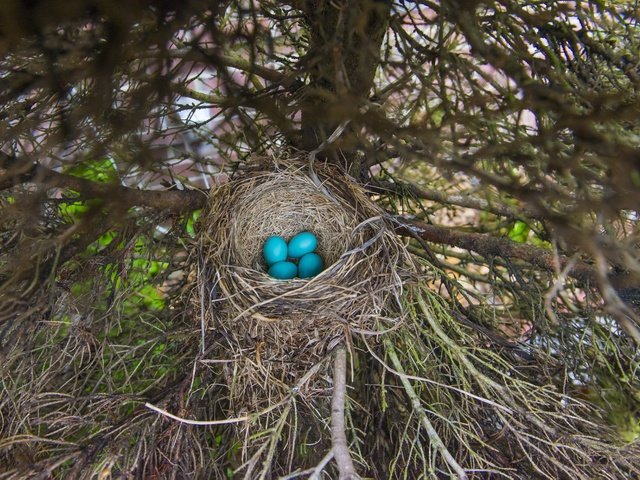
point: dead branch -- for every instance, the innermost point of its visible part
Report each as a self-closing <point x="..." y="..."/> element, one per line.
<point x="466" y="201"/>
<point x="315" y="473"/>
<point x="422" y="414"/>
<point x="212" y="56"/>
<point x="338" y="437"/>
<point x="200" y="96"/>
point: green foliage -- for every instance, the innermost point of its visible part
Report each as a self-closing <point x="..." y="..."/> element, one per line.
<point x="191" y="222"/>
<point x="102" y="242"/>
<point x="519" y="232"/>
<point x="102" y="170"/>
<point x="125" y="293"/>
<point x="75" y="210"/>
<point x="522" y="232"/>
<point x="135" y="277"/>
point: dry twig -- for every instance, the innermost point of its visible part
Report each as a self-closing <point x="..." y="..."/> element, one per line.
<point x="338" y="436"/>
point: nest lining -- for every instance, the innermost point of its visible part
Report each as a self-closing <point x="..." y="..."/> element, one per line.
<point x="285" y="205"/>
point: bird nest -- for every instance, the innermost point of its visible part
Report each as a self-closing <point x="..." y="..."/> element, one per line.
<point x="359" y="248"/>
<point x="276" y="330"/>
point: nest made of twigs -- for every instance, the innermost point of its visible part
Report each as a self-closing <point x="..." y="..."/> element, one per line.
<point x="277" y="330"/>
<point x="361" y="252"/>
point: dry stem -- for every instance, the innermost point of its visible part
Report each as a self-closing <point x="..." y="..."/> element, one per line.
<point x="338" y="437"/>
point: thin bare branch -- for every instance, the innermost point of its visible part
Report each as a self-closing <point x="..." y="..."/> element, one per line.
<point x="338" y="436"/>
<point x="212" y="56"/>
<point x="466" y="201"/>
<point x="422" y="415"/>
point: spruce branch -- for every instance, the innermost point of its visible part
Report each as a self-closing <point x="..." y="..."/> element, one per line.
<point x="422" y="414"/>
<point x="19" y="171"/>
<point x="490" y="246"/>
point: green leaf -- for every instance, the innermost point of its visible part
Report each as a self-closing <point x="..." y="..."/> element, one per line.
<point x="436" y="116"/>
<point x="519" y="232"/>
<point x="102" y="170"/>
<point x="151" y="297"/>
<point x="192" y="221"/>
<point x="73" y="211"/>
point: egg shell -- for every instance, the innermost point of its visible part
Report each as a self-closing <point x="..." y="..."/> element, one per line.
<point x="301" y="244"/>
<point x="283" y="270"/>
<point x="310" y="265"/>
<point x="274" y="250"/>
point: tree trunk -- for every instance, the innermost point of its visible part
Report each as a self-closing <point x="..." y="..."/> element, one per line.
<point x="342" y="60"/>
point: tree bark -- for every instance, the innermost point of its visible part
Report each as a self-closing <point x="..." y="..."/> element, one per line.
<point x="343" y="56"/>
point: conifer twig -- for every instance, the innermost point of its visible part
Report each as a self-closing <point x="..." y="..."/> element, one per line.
<point x="422" y="415"/>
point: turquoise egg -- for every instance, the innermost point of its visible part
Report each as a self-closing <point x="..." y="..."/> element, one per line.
<point x="283" y="270"/>
<point x="302" y="243"/>
<point x="274" y="250"/>
<point x="310" y="265"/>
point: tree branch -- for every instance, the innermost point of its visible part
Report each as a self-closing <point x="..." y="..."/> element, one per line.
<point x="200" y="96"/>
<point x="213" y="57"/>
<point x="262" y="102"/>
<point x="434" y="438"/>
<point x="343" y="56"/>
<point x="338" y="437"/>
<point x="490" y="246"/>
<point x="315" y="473"/>
<point x="23" y="171"/>
<point x="465" y="201"/>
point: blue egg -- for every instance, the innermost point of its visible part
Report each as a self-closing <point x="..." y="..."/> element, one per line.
<point x="274" y="250"/>
<point x="302" y="243"/>
<point x="283" y="270"/>
<point x="310" y="265"/>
